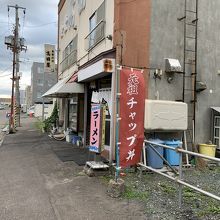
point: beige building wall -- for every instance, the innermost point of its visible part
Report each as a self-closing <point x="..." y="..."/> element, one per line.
<point x="81" y="28"/>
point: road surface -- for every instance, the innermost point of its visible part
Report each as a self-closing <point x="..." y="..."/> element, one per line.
<point x="3" y="119"/>
<point x="36" y="185"/>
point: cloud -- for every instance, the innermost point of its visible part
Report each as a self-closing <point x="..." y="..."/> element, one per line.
<point x="38" y="27"/>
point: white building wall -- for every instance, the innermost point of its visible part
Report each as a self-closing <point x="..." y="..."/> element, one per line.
<point x="48" y="109"/>
<point x="81" y="25"/>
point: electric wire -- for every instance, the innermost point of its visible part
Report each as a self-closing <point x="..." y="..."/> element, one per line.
<point x="6" y="69"/>
<point x="41" y="25"/>
<point x="6" y="75"/>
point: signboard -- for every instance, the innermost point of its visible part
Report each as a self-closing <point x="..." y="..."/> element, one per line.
<point x="103" y="126"/>
<point x="95" y="130"/>
<point x="49" y="61"/>
<point x="131" y="130"/>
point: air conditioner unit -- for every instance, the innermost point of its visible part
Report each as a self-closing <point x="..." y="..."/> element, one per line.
<point x="172" y="65"/>
<point x="165" y="115"/>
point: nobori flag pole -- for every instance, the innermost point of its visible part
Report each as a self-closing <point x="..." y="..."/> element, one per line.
<point x="117" y="173"/>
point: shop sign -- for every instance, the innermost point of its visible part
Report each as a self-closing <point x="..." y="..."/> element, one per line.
<point x="49" y="62"/>
<point x="131" y="127"/>
<point x="103" y="126"/>
<point x="95" y="130"/>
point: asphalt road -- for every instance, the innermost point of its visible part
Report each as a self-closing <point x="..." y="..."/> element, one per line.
<point x="36" y="185"/>
<point x="3" y="119"/>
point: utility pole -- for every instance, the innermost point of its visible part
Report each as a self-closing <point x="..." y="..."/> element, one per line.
<point x="16" y="44"/>
<point x="17" y="92"/>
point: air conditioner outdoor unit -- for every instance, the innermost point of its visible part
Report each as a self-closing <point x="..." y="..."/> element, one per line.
<point x="165" y="115"/>
<point x="172" y="65"/>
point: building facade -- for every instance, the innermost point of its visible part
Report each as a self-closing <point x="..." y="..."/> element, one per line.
<point x="41" y="82"/>
<point x="92" y="38"/>
<point x="168" y="34"/>
<point x="96" y="36"/>
<point x="28" y="96"/>
<point x="5" y="101"/>
<point x="22" y="97"/>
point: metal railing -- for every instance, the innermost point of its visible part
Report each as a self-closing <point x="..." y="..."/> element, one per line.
<point x="69" y="60"/>
<point x="179" y="178"/>
<point x="96" y="35"/>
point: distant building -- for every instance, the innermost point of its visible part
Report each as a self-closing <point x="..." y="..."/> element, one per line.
<point x="22" y="97"/>
<point x="41" y="82"/>
<point x="5" y="101"/>
<point x="28" y="96"/>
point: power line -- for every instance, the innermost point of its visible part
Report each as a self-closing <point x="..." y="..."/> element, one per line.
<point x="36" y="26"/>
<point x="6" y="69"/>
<point x="6" y="75"/>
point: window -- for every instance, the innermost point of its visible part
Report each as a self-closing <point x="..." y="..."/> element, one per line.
<point x="96" y="27"/>
<point x="39" y="94"/>
<point x="217" y="130"/>
<point x="40" y="69"/>
<point x="101" y="13"/>
<point x="40" y="82"/>
<point x="70" y="54"/>
<point x="92" y="25"/>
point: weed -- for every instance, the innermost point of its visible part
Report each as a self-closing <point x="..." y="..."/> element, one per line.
<point x="190" y="193"/>
<point x="105" y="178"/>
<point x="213" y="209"/>
<point x="39" y="125"/>
<point x="167" y="188"/>
<point x="131" y="193"/>
<point x="217" y="169"/>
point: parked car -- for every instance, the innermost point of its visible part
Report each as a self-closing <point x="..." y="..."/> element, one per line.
<point x="2" y="107"/>
<point x="24" y="108"/>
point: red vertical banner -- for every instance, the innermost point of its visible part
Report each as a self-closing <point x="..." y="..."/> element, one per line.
<point x="131" y="129"/>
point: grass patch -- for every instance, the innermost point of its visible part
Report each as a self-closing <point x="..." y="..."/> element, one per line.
<point x="167" y="188"/>
<point x="39" y="125"/>
<point x="212" y="208"/>
<point x="217" y="169"/>
<point x="105" y="178"/>
<point x="131" y="193"/>
<point x="189" y="193"/>
<point x="207" y="206"/>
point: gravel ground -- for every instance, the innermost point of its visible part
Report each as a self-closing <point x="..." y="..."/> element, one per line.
<point x="160" y="195"/>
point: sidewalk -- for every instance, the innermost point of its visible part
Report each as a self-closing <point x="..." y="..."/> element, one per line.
<point x="35" y="184"/>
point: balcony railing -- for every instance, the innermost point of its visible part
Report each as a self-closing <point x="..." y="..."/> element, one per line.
<point x="69" y="60"/>
<point x="95" y="36"/>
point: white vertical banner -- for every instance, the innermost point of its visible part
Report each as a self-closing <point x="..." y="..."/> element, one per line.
<point x="49" y="58"/>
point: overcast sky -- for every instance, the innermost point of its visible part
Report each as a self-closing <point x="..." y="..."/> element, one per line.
<point x="38" y="26"/>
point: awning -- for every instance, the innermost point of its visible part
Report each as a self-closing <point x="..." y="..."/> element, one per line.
<point x="101" y="68"/>
<point x="217" y="109"/>
<point x="64" y="88"/>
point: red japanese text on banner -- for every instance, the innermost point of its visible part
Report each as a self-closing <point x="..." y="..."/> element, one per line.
<point x="131" y="130"/>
